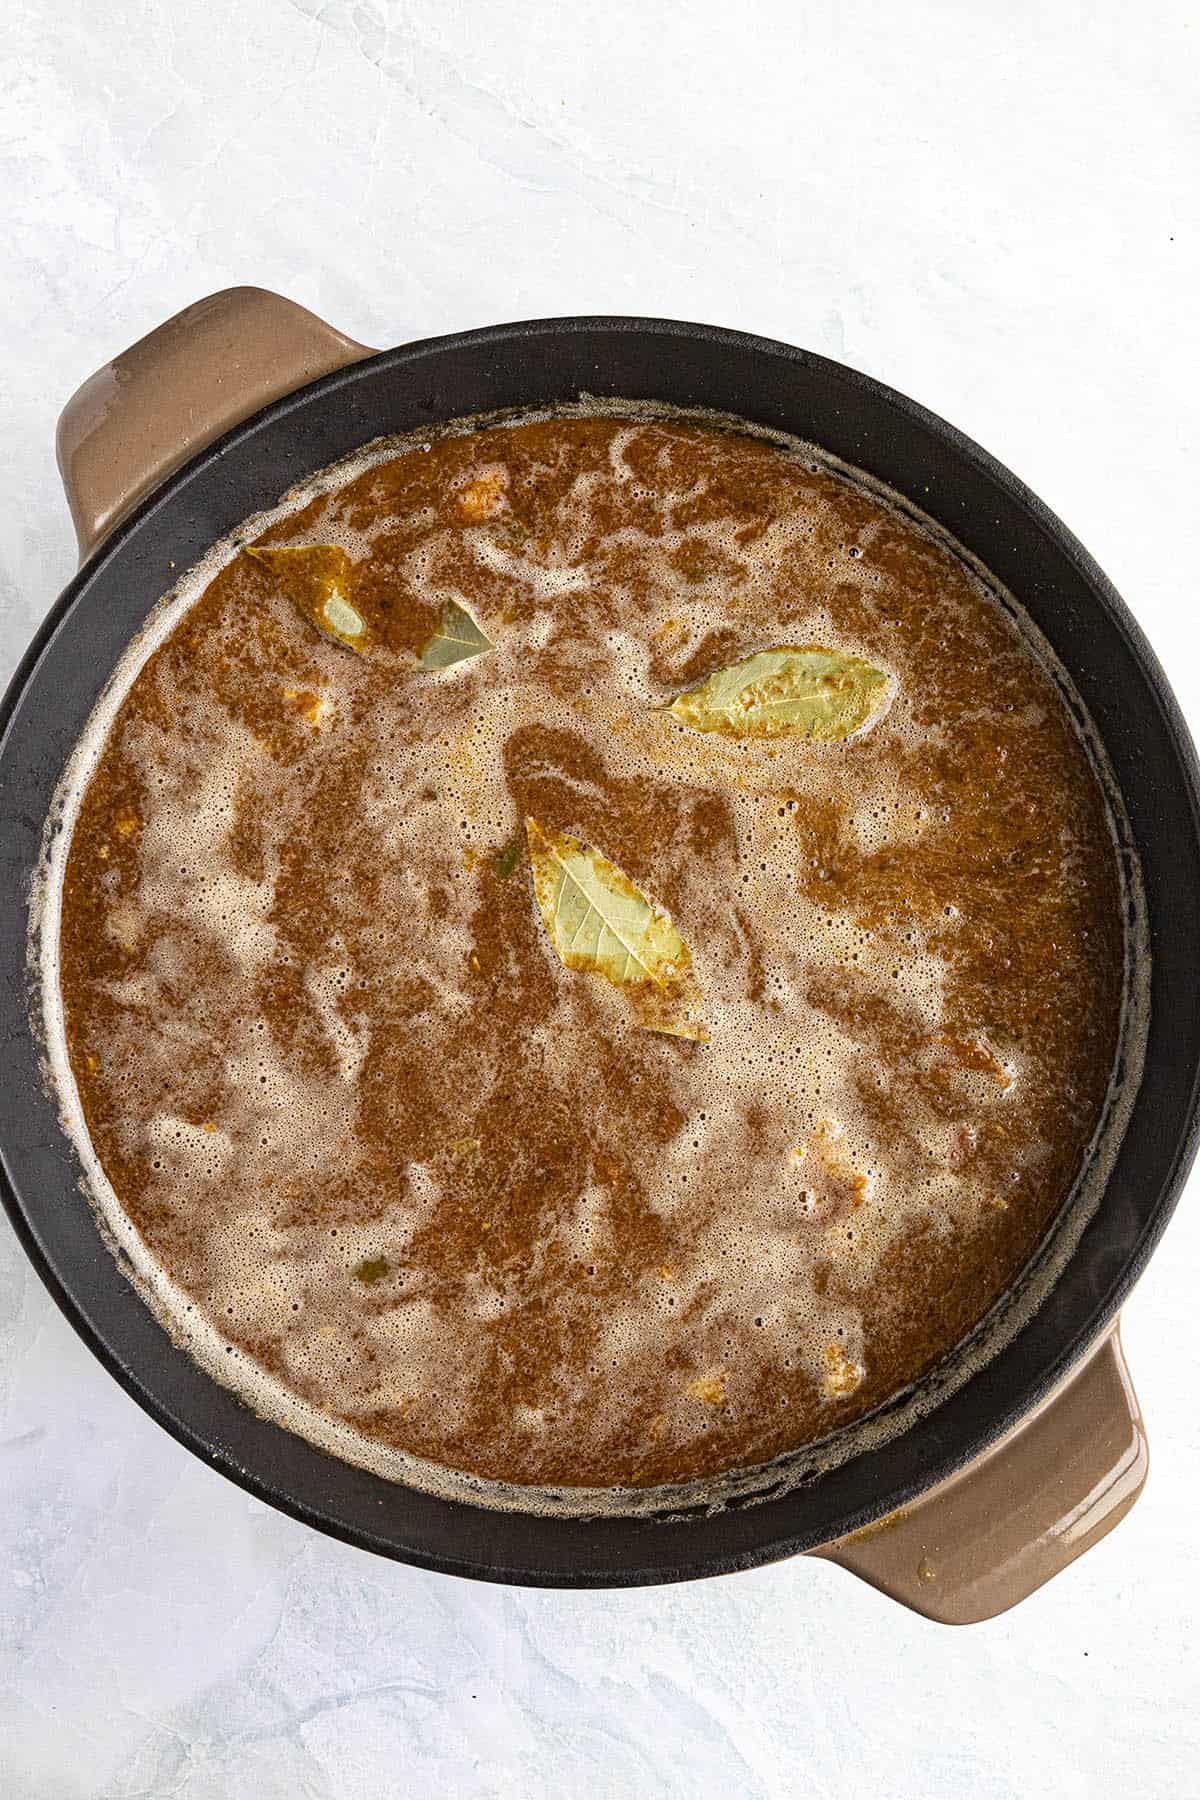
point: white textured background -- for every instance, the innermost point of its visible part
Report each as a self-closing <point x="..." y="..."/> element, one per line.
<point x="992" y="205"/>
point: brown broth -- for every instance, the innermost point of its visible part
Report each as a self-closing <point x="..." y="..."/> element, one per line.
<point x="449" y="1192"/>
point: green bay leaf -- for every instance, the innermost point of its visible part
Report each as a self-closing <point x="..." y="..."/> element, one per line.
<point x="599" y="922"/>
<point x="318" y="579"/>
<point x="456" y="638"/>
<point x="796" y="690"/>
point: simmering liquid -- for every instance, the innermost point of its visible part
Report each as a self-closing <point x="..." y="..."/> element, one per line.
<point x="469" y="1201"/>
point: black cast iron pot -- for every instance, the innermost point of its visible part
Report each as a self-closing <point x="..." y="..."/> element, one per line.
<point x="1041" y="1450"/>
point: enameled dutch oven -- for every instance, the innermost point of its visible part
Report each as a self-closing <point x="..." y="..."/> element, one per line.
<point x="210" y="419"/>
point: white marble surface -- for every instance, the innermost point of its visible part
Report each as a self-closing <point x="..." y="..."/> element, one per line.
<point x="992" y="207"/>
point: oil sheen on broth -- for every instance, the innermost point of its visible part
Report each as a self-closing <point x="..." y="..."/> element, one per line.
<point x="455" y="1194"/>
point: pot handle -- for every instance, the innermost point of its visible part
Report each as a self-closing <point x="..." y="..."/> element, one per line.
<point x="160" y="402"/>
<point x="1047" y="1492"/>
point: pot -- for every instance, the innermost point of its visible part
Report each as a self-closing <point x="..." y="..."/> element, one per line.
<point x="1010" y="1475"/>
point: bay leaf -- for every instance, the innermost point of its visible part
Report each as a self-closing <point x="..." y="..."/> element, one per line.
<point x="599" y="922"/>
<point x="796" y="690"/>
<point x="456" y="638"/>
<point x="318" y="580"/>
